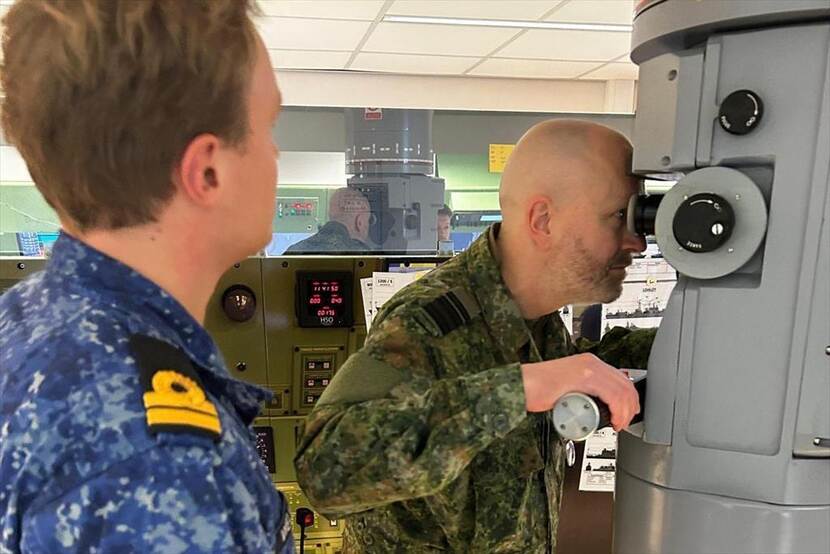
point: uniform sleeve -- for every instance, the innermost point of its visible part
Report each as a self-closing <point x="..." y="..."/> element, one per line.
<point x="619" y="347"/>
<point x="387" y="429"/>
<point x="163" y="500"/>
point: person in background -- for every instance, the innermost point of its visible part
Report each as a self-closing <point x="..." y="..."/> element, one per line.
<point x="443" y="224"/>
<point x="590" y="322"/>
<point x="346" y="232"/>
<point x="147" y="126"/>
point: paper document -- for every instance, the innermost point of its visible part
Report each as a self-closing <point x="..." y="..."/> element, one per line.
<point x="645" y="294"/>
<point x="567" y="315"/>
<point x="599" y="463"/>
<point x="382" y="286"/>
<point x="366" y="291"/>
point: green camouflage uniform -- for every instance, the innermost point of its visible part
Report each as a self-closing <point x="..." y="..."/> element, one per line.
<point x="332" y="238"/>
<point x="423" y="439"/>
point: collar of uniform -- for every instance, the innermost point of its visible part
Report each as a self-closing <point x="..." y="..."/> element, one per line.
<point x="500" y="311"/>
<point x="93" y="270"/>
<point x="334" y="228"/>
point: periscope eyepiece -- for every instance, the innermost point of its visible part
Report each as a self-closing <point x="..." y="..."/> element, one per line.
<point x="642" y="213"/>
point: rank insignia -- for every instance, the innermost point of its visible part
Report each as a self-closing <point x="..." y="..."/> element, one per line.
<point x="173" y="394"/>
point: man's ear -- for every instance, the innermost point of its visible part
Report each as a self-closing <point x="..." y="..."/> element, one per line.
<point x="361" y="222"/>
<point x="196" y="175"/>
<point x="539" y="218"/>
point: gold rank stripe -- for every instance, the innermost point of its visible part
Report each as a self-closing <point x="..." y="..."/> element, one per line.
<point x="183" y="416"/>
<point x="155" y="400"/>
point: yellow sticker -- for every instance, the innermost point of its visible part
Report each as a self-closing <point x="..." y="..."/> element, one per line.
<point x="498" y="156"/>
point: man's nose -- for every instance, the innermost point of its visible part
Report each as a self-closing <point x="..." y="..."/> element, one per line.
<point x="633" y="243"/>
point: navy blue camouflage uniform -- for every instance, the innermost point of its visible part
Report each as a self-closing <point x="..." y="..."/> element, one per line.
<point x="81" y="470"/>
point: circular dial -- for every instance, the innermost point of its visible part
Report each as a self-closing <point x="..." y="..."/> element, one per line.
<point x="740" y="112"/>
<point x="703" y="222"/>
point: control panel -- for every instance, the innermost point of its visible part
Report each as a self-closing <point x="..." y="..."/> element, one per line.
<point x="296" y="207"/>
<point x="323" y="535"/>
<point x="264" y="436"/>
<point x="297" y="214"/>
<point x="317" y="368"/>
<point x="14" y="270"/>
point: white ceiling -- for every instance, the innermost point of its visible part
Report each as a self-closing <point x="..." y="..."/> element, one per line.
<point x="351" y="35"/>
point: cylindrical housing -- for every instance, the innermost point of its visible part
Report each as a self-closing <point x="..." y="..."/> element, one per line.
<point x="389" y="141"/>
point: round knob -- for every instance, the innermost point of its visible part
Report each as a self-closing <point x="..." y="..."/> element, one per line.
<point x="740" y="112"/>
<point x="241" y="366"/>
<point x="703" y="222"/>
<point x="239" y="303"/>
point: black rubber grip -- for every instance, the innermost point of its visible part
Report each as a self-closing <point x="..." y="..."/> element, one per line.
<point x="605" y="413"/>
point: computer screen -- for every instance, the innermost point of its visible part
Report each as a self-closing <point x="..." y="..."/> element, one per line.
<point x="33" y="243"/>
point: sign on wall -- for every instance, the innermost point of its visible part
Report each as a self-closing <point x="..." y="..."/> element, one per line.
<point x="498" y="156"/>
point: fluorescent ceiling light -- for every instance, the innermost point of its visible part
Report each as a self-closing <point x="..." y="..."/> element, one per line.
<point x="517" y="24"/>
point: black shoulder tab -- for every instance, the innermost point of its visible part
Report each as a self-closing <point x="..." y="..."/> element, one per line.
<point x="174" y="397"/>
<point x="452" y="310"/>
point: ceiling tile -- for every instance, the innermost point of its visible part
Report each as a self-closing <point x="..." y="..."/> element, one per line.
<point x="481" y="9"/>
<point x="408" y="63"/>
<point x="618" y="12"/>
<point x="532" y="69"/>
<point x="294" y="59"/>
<point x="614" y="71"/>
<point x="568" y="45"/>
<point x="414" y="38"/>
<point x="326" y="9"/>
<point x="311" y="34"/>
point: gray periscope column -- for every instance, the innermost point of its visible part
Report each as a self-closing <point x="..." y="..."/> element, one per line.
<point x="391" y="161"/>
<point x="733" y="455"/>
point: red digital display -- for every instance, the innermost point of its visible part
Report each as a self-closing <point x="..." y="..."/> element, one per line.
<point x="324" y="286"/>
<point x="324" y="299"/>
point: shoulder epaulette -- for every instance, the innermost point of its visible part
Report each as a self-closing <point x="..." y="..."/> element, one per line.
<point x="174" y="396"/>
<point x="452" y="309"/>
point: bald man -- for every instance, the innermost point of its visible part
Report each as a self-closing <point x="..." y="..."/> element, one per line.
<point x="436" y="436"/>
<point x="347" y="230"/>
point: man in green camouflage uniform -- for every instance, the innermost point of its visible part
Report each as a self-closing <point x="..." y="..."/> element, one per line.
<point x="347" y="231"/>
<point x="435" y="436"/>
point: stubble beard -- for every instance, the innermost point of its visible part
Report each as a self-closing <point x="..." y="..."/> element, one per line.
<point x="589" y="280"/>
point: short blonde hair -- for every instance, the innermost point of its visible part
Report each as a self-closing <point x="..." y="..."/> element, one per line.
<point x="102" y="97"/>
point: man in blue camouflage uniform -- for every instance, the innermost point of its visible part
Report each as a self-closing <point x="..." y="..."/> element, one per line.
<point x="120" y="427"/>
<point x="435" y="436"/>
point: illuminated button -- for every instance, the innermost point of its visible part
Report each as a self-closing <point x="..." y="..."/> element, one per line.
<point x="310" y="383"/>
<point x="326" y="365"/>
<point x="311" y="365"/>
<point x="309" y="399"/>
<point x="333" y="522"/>
<point x="325" y="382"/>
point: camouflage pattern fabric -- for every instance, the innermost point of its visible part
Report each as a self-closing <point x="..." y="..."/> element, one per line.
<point x="79" y="471"/>
<point x="620" y="347"/>
<point x="332" y="238"/>
<point x="422" y="438"/>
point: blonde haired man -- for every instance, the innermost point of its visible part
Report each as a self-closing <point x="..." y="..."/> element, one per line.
<point x="147" y="126"/>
